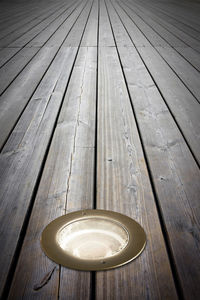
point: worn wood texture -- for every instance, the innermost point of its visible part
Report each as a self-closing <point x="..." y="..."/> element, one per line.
<point x="69" y="162"/>
<point x="24" y="152"/>
<point x="123" y="185"/>
<point x="100" y="108"/>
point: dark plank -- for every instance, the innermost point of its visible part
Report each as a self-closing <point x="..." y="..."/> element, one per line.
<point x="11" y="34"/>
<point x="169" y="20"/>
<point x="167" y="24"/>
<point x="25" y="38"/>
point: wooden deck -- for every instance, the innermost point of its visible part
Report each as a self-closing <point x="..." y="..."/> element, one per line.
<point x="100" y="109"/>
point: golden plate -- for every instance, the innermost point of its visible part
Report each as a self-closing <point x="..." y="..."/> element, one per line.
<point x="93" y="240"/>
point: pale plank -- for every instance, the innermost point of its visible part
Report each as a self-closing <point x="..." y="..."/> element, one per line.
<point x="90" y="35"/>
<point x="105" y="33"/>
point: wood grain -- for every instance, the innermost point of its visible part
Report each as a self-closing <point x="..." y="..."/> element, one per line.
<point x="70" y="161"/>
<point x="123" y="185"/>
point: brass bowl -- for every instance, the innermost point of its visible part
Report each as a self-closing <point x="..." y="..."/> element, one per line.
<point x="93" y="240"/>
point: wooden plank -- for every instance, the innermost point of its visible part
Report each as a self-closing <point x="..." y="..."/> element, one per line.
<point x="175" y="174"/>
<point x="26" y="37"/>
<point x="191" y="55"/>
<point x="188" y="16"/>
<point x="123" y="185"/>
<point x="11" y="23"/>
<point x="188" y="74"/>
<point x="6" y="54"/>
<point x="190" y="78"/>
<point x="15" y="99"/>
<point x="24" y="152"/>
<point x="169" y="20"/>
<point x="161" y="31"/>
<point x="57" y="32"/>
<point x="180" y="34"/>
<point x="90" y="34"/>
<point x="11" y="34"/>
<point x="82" y="161"/>
<point x="70" y="162"/>
<point x="73" y="39"/>
<point x="10" y="71"/>
<point x="182" y="104"/>
<point x="105" y="33"/>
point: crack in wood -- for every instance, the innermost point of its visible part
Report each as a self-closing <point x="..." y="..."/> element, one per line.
<point x="44" y="280"/>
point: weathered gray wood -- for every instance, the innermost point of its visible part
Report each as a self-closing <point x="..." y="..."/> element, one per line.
<point x="183" y="105"/>
<point x="82" y="158"/>
<point x="73" y="39"/>
<point x="175" y="173"/>
<point x="59" y="159"/>
<point x="6" y="54"/>
<point x="168" y="25"/>
<point x="70" y="162"/>
<point x="90" y="35"/>
<point x="14" y="100"/>
<point x="10" y="71"/>
<point x="64" y="21"/>
<point x="24" y="152"/>
<point x="28" y="28"/>
<point x="105" y="33"/>
<point x="188" y="16"/>
<point x="22" y="37"/>
<point x="123" y="185"/>
<point x="188" y="74"/>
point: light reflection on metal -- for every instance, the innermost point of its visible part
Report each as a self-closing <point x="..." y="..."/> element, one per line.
<point x="93" y="240"/>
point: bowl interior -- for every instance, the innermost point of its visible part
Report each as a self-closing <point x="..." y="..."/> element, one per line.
<point x="92" y="238"/>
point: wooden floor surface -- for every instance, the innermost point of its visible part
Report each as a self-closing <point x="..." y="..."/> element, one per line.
<point x="100" y="108"/>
